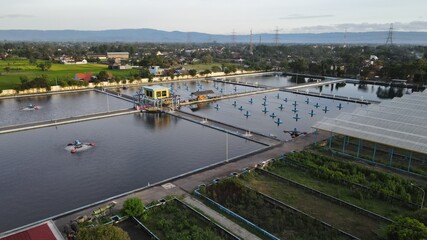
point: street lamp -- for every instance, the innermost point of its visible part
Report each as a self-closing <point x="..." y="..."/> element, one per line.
<point x="226" y="146"/>
<point x="424" y="194"/>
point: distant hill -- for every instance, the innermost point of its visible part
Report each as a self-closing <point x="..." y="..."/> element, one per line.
<point x="152" y="35"/>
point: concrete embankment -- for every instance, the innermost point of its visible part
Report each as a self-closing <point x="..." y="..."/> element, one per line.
<point x="315" y="84"/>
<point x="46" y="93"/>
<point x="56" y="122"/>
<point x="334" y="97"/>
<point x="224" y="127"/>
<point x="304" y="75"/>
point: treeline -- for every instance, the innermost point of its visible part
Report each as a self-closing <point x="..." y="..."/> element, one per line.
<point x="44" y="82"/>
<point x="366" y="62"/>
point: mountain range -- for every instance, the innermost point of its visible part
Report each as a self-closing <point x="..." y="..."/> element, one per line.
<point x="153" y="35"/>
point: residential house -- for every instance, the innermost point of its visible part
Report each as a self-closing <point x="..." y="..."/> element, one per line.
<point x="87" y="77"/>
<point x="156" y="70"/>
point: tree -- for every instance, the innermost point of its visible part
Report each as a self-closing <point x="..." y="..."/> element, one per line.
<point x="103" y="76"/>
<point x="133" y="207"/>
<point x="206" y="72"/>
<point x="103" y="232"/>
<point x="406" y="228"/>
<point x="144" y="73"/>
<point x="215" y="68"/>
<point x="45" y="66"/>
<point x="192" y="72"/>
<point x="421" y="215"/>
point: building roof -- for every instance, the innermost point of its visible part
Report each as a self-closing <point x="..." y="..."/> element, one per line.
<point x="117" y="53"/>
<point x="83" y="76"/>
<point x="156" y="88"/>
<point x="46" y="231"/>
<point x="399" y="123"/>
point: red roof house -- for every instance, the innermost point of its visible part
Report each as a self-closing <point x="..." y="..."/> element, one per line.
<point x="43" y="231"/>
<point x="83" y="76"/>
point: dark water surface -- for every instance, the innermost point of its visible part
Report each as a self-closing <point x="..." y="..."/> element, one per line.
<point x="364" y="91"/>
<point x="38" y="178"/>
<point x="271" y="80"/>
<point x="57" y="106"/>
<point x="262" y="122"/>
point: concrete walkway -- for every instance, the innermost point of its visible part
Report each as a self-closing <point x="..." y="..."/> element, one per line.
<point x="223" y="221"/>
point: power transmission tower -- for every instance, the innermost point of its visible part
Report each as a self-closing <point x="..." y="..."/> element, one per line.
<point x="390" y="35"/>
<point x="251" y="44"/>
<point x="233" y="37"/>
<point x="345" y="38"/>
<point x="276" y="36"/>
<point x="188" y="38"/>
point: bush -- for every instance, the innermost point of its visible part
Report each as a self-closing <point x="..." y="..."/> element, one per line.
<point x="406" y="228"/>
<point x="103" y="232"/>
<point x="133" y="207"/>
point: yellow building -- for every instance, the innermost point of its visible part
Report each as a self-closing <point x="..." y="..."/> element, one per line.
<point x="156" y="92"/>
<point x="120" y="55"/>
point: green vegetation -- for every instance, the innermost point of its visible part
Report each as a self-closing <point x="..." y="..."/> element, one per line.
<point x="102" y="232"/>
<point x="276" y="219"/>
<point x="383" y="186"/>
<point x="406" y="228"/>
<point x="133" y="207"/>
<point x="175" y="221"/>
<point x="19" y="68"/>
<point x="343" y="192"/>
<point x="335" y="214"/>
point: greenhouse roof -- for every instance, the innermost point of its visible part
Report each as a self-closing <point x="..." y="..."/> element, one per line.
<point x="399" y="123"/>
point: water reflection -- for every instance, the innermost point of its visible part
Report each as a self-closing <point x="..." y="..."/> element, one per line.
<point x="156" y="120"/>
<point x="390" y="92"/>
<point x="362" y="87"/>
<point x="362" y="91"/>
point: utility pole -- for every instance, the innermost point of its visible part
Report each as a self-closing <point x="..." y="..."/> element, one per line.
<point x="390" y="35"/>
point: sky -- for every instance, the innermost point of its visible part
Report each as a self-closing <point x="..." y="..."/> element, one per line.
<point x="216" y="16"/>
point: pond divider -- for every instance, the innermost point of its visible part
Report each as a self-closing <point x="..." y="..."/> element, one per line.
<point x="236" y="216"/>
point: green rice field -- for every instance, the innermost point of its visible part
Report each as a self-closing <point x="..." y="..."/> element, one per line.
<point x="21" y="67"/>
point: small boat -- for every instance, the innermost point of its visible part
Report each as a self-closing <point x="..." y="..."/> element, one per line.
<point x="30" y="107"/>
<point x="78" y="146"/>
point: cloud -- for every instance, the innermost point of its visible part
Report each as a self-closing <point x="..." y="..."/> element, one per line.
<point x="363" y="27"/>
<point x="301" y="16"/>
<point x="16" y="16"/>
